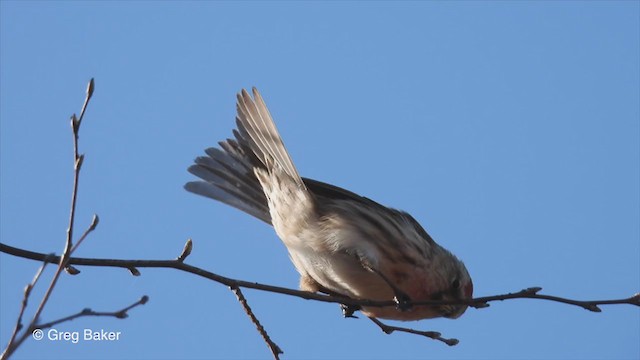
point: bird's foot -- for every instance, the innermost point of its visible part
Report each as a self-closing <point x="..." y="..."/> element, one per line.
<point x="348" y="310"/>
<point x="402" y="300"/>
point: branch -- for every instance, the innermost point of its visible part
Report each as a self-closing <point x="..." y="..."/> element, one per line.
<point x="532" y="293"/>
<point x="235" y="285"/>
<point x="388" y="329"/>
<point x="120" y="314"/>
<point x="480" y="302"/>
<point x="63" y="261"/>
<point x="273" y="347"/>
<point x="25" y="301"/>
<point x="68" y="249"/>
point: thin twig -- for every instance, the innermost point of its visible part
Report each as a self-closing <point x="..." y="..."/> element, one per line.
<point x="78" y="159"/>
<point x="119" y="314"/>
<point x="92" y="226"/>
<point x="25" y="301"/>
<point x="89" y="94"/>
<point x="273" y="347"/>
<point x="68" y="248"/>
<point x="532" y="293"/>
<point x="388" y="329"/>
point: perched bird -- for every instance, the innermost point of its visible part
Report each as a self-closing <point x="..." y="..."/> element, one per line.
<point x="341" y="243"/>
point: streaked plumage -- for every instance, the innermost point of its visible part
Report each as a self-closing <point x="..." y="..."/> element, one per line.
<point x="340" y="243"/>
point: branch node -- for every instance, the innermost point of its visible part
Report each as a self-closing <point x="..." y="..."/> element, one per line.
<point x="90" y="88"/>
<point x="480" y="305"/>
<point x="79" y="162"/>
<point x="387" y="330"/>
<point x="532" y="290"/>
<point x="134" y="271"/>
<point x="186" y="251"/>
<point x="75" y="124"/>
<point x="451" y="342"/>
<point x="592" y="307"/>
<point x="94" y="223"/>
<point x="121" y="315"/>
<point x="71" y="270"/>
<point x="27" y="290"/>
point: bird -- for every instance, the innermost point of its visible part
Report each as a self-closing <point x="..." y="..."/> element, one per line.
<point x="341" y="243"/>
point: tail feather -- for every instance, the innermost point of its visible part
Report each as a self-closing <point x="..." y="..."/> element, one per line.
<point x="231" y="171"/>
<point x="230" y="180"/>
<point x="245" y="139"/>
<point x="228" y="173"/>
<point x="254" y="118"/>
<point x="221" y="194"/>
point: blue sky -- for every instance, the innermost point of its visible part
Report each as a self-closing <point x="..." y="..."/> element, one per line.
<point x="510" y="130"/>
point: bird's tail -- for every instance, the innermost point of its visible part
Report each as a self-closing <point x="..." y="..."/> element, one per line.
<point x="228" y="173"/>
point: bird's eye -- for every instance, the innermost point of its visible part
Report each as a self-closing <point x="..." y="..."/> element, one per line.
<point x="456" y="283"/>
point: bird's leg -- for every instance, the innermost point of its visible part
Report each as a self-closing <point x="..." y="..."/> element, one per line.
<point x="347" y="310"/>
<point x="402" y="300"/>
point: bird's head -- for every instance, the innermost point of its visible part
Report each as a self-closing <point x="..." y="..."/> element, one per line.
<point x="456" y="284"/>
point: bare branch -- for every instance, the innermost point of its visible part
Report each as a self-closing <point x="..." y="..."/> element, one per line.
<point x="119" y="314"/>
<point x="273" y="347"/>
<point x="92" y="226"/>
<point x="532" y="293"/>
<point x="89" y="94"/>
<point x="62" y="261"/>
<point x="388" y="329"/>
<point x="25" y="301"/>
<point x="68" y="249"/>
<point x="479" y="302"/>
